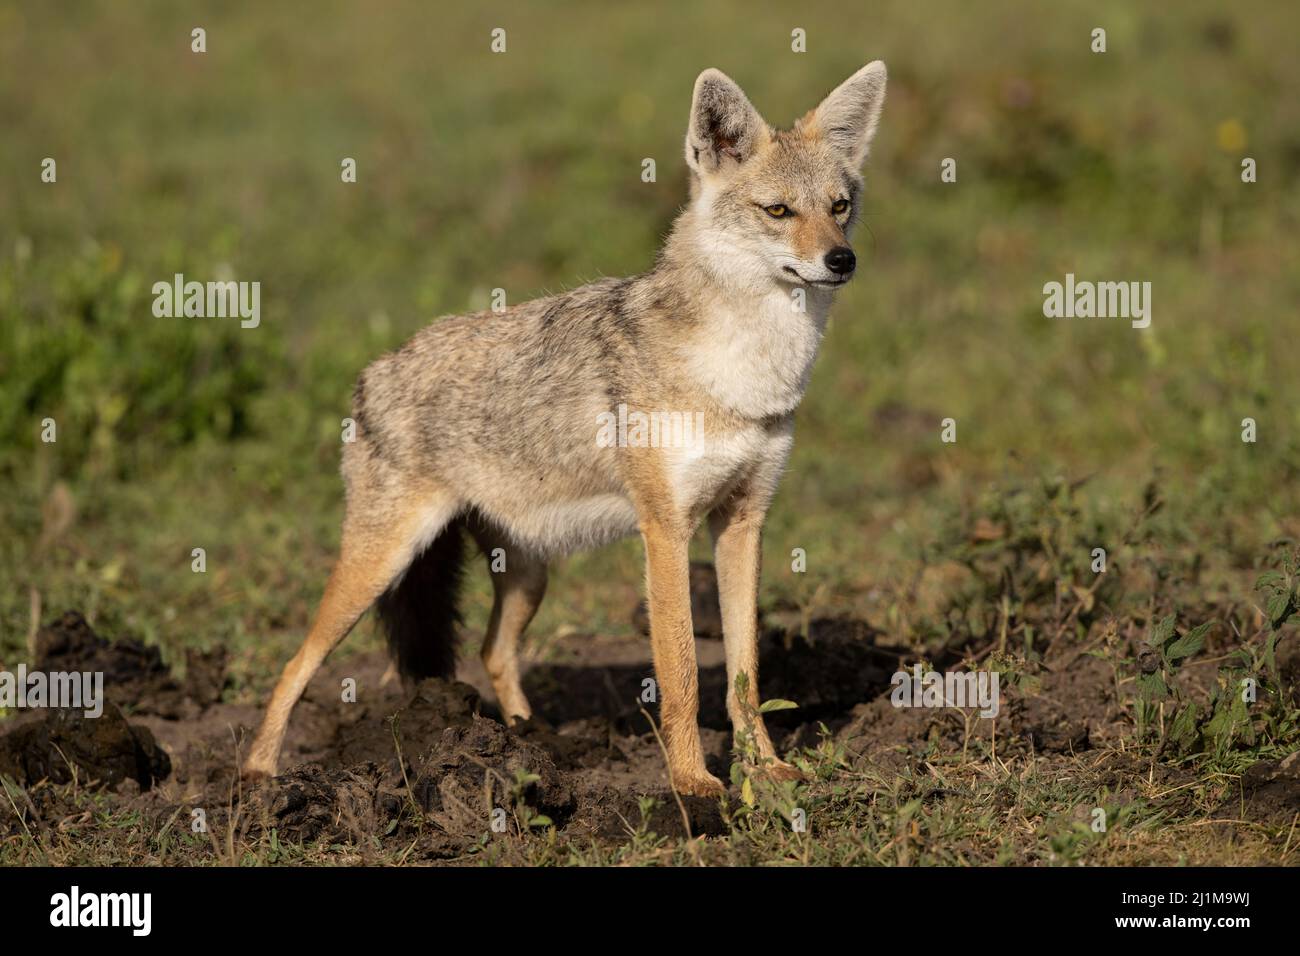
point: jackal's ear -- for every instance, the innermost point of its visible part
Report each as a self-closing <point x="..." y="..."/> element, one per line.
<point x="847" y="118"/>
<point x="725" y="129"/>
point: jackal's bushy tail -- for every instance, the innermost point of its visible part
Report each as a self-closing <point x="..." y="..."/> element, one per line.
<point x="418" y="611"/>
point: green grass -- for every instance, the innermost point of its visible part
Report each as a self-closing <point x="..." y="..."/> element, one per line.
<point x="522" y="171"/>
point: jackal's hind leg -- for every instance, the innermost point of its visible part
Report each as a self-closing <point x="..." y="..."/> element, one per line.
<point x="374" y="551"/>
<point x="518" y="584"/>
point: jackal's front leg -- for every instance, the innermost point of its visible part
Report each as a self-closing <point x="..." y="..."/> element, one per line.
<point x="672" y="642"/>
<point x="737" y="530"/>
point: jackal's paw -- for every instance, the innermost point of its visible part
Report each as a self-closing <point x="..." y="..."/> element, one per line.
<point x="780" y="770"/>
<point x="254" y="771"/>
<point x="518" y="717"/>
<point x="698" y="784"/>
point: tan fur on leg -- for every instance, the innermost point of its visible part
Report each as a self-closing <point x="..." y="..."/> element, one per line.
<point x="672" y="642"/>
<point x="518" y="593"/>
<point x="737" y="532"/>
<point x="370" y="558"/>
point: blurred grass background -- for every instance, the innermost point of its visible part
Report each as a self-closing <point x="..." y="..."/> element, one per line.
<point x="522" y="170"/>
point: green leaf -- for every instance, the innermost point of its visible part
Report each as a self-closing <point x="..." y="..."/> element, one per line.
<point x="777" y="704"/>
<point x="1162" y="632"/>
<point x="1152" y="686"/>
<point x="1278" y="608"/>
<point x="1230" y="713"/>
<point x="1269" y="655"/>
<point x="541" y="820"/>
<point x="1182" y="731"/>
<point x="1270" y="580"/>
<point x="1189" y="643"/>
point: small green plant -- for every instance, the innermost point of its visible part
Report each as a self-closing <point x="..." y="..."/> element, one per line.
<point x="1164" y="655"/>
<point x="757" y="790"/>
<point x="1252" y="673"/>
<point x="1231" y="719"/>
<point x="1280" y="587"/>
<point x="527" y="818"/>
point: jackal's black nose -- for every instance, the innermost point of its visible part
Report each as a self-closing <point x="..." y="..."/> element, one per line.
<point x="841" y="260"/>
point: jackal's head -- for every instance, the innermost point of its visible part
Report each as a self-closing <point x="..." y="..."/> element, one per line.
<point x="779" y="204"/>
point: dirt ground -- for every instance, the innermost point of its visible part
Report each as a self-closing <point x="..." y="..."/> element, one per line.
<point x="436" y="777"/>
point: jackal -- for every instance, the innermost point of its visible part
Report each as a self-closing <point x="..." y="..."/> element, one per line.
<point x="487" y="425"/>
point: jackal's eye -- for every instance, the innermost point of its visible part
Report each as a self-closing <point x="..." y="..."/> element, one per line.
<point x="840" y="207"/>
<point x="777" y="210"/>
